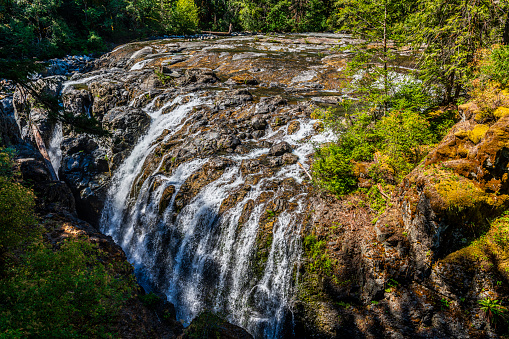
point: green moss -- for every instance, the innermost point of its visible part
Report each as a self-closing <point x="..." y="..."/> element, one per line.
<point x="491" y="249"/>
<point x="461" y="134"/>
<point x="206" y="325"/>
<point x="478" y="133"/>
<point x="501" y="112"/>
<point x="459" y="193"/>
<point x="319" y="260"/>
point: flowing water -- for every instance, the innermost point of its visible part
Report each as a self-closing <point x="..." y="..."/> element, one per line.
<point x="203" y="259"/>
<point x="54" y="150"/>
<point x="231" y="243"/>
<point x="234" y="246"/>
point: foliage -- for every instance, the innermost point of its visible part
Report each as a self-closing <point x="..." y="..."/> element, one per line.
<point x="440" y="122"/>
<point x="452" y="33"/>
<point x="333" y="169"/>
<point x="376" y="24"/>
<point x="16" y="214"/>
<point x="46" y="292"/>
<point x="6" y="162"/>
<point x="16" y="208"/>
<point x="184" y="17"/>
<point x="493" y="309"/>
<point x="63" y="293"/>
<point x="151" y="299"/>
<point x="490" y="249"/>
<point x="397" y="142"/>
<point x="401" y="134"/>
<point x="206" y="325"/>
<point x="496" y="67"/>
<point x="487" y="89"/>
<point x="282" y="15"/>
<point x="320" y="260"/>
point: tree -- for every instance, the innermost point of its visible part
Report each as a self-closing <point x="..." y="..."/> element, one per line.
<point x="184" y="17"/>
<point x="377" y="26"/>
<point x="282" y="15"/>
<point x="448" y="33"/>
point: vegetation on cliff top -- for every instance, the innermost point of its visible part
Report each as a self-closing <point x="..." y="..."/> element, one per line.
<point x="394" y="120"/>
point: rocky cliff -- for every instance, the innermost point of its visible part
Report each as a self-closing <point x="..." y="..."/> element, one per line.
<point x="428" y="266"/>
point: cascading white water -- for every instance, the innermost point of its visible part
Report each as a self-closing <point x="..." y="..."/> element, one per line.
<point x="201" y="258"/>
<point x="131" y="167"/>
<point x="54" y="150"/>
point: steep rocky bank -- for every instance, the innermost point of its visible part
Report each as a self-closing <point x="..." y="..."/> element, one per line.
<point x="202" y="182"/>
<point x="426" y="265"/>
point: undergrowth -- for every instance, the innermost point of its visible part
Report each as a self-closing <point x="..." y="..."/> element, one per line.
<point x="67" y="291"/>
<point x="392" y="145"/>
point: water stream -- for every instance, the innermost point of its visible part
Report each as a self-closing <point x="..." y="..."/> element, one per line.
<point x="54" y="150"/>
<point x="199" y="257"/>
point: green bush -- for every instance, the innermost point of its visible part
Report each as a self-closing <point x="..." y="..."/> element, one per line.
<point x="17" y="218"/>
<point x="151" y="299"/>
<point x="333" y="169"/>
<point x="497" y="68"/>
<point x="67" y="293"/>
<point x="401" y="134"/>
<point x="399" y="139"/>
<point x="205" y="325"/>
<point x="17" y="204"/>
<point x="316" y="250"/>
<point x="184" y="17"/>
<point x="6" y="162"/>
<point x="279" y="18"/>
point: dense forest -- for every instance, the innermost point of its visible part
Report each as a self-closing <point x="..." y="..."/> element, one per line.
<point x="451" y="31"/>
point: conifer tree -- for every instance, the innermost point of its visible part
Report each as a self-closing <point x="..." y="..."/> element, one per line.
<point x="448" y="33"/>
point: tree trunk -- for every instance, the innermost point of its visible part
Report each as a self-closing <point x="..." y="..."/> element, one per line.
<point x="449" y="88"/>
<point x="43" y="151"/>
<point x="386" y="85"/>
<point x="505" y="36"/>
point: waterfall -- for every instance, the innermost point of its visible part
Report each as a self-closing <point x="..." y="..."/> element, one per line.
<point x="203" y="257"/>
<point x="54" y="150"/>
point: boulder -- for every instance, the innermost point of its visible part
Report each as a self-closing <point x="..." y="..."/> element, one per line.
<point x="258" y="122"/>
<point x="107" y="95"/>
<point x="78" y="101"/>
<point x="280" y="149"/>
<point x="126" y="124"/>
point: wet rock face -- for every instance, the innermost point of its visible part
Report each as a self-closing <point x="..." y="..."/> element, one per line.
<point x="78" y="101"/>
<point x="8" y="127"/>
<point x="201" y="144"/>
<point x="220" y="133"/>
<point x="107" y="95"/>
<point x="213" y="140"/>
<point x="126" y="125"/>
<point x="25" y="112"/>
<point x="280" y="149"/>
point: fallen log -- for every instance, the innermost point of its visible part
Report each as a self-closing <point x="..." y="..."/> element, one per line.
<point x="305" y="170"/>
<point x="220" y="33"/>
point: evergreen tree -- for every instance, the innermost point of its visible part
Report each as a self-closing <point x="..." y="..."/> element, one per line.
<point x="377" y="25"/>
<point x="448" y="33"/>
